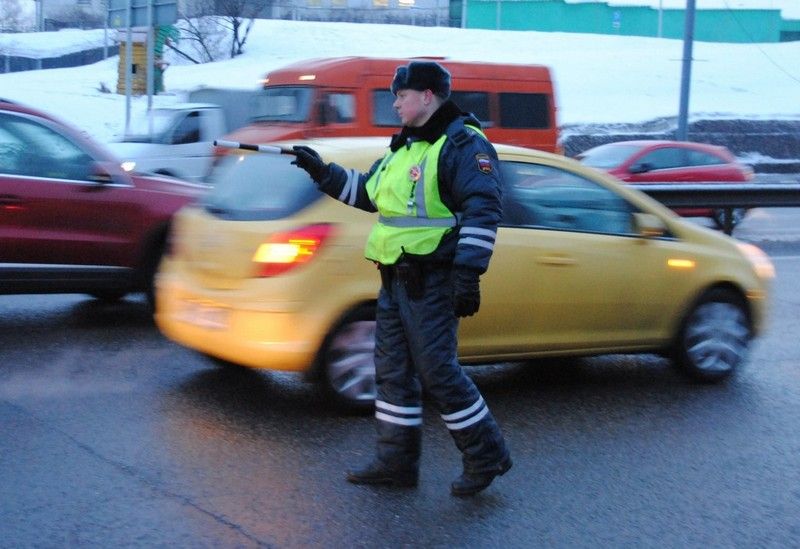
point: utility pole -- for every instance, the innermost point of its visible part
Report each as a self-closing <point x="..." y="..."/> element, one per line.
<point x="686" y="72"/>
<point x="39" y="15"/>
<point x="660" y="18"/>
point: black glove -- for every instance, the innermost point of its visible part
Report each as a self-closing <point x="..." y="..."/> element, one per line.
<point x="310" y="161"/>
<point x="466" y="292"/>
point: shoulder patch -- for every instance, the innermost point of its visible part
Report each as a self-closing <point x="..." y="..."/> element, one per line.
<point x="484" y="162"/>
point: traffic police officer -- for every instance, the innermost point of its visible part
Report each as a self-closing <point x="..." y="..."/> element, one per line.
<point x="437" y="193"/>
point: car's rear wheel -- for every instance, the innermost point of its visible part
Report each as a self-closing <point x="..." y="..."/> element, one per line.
<point x="715" y="336"/>
<point x="720" y="216"/>
<point x="347" y="360"/>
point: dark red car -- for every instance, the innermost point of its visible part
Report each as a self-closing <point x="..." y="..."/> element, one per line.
<point x="671" y="161"/>
<point x="71" y="219"/>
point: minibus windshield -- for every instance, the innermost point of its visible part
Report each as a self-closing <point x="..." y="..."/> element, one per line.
<point x="283" y="104"/>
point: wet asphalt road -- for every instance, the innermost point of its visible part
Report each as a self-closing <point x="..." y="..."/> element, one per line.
<point x="113" y="436"/>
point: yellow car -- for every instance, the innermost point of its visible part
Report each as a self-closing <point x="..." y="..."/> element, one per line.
<point x="267" y="272"/>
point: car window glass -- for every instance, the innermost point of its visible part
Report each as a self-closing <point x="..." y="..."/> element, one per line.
<point x="188" y="131"/>
<point x="608" y="156"/>
<point x="664" y="158"/>
<point x="541" y="196"/>
<point x="340" y="108"/>
<point x="30" y="148"/>
<point x="700" y="158"/>
<point x="524" y="110"/>
<point x="258" y="187"/>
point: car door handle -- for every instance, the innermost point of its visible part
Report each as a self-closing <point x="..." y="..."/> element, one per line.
<point x="556" y="259"/>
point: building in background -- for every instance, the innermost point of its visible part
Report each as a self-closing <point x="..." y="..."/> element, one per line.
<point x="723" y="23"/>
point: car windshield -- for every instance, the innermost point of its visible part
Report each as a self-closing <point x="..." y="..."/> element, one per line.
<point x="607" y="156"/>
<point x="283" y="104"/>
<point x="151" y="128"/>
<point x="250" y="187"/>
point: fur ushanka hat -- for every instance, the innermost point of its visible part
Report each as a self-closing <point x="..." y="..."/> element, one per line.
<point x="421" y="76"/>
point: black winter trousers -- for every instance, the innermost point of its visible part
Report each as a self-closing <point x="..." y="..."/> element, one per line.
<point x="415" y="347"/>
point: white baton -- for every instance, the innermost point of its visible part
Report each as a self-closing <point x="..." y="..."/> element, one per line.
<point x="252" y="147"/>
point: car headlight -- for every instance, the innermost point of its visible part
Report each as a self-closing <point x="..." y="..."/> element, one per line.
<point x="760" y="261"/>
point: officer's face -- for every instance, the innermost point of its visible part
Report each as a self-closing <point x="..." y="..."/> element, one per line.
<point x="414" y="107"/>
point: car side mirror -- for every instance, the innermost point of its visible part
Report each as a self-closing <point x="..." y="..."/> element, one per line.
<point x="648" y="225"/>
<point x="641" y="167"/>
<point x="105" y="173"/>
<point x="99" y="174"/>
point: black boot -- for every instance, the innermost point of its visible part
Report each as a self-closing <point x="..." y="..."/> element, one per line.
<point x="472" y="483"/>
<point x="377" y="473"/>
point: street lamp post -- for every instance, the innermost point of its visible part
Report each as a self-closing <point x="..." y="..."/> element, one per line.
<point x="660" y="18"/>
<point x="686" y="71"/>
<point x="39" y="15"/>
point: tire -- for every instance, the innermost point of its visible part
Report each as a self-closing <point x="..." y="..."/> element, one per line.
<point x="150" y="270"/>
<point x="714" y="338"/>
<point x="346" y="361"/>
<point x="720" y="216"/>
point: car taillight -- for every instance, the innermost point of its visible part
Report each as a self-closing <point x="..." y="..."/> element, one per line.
<point x="285" y="251"/>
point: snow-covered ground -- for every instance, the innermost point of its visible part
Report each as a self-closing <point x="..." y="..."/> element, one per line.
<point x="600" y="79"/>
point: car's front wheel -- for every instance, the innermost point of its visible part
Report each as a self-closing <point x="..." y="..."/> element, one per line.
<point x="715" y="336"/>
<point x="347" y="360"/>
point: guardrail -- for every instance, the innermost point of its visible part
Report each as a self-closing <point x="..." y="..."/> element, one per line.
<point x="726" y="196"/>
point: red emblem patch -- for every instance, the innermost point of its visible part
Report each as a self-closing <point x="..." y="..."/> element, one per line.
<point x="414" y="173"/>
<point x="484" y="163"/>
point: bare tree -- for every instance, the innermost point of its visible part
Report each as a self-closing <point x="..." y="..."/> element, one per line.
<point x="202" y="33"/>
<point x="201" y="39"/>
<point x="237" y="14"/>
<point x="207" y="24"/>
<point x="12" y="19"/>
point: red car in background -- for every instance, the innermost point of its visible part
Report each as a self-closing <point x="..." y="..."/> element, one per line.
<point x="71" y="219"/>
<point x="671" y="161"/>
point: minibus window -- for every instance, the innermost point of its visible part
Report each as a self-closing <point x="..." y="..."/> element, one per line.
<point x="476" y="103"/>
<point x="383" y="114"/>
<point x="524" y="110"/>
<point x="283" y="104"/>
<point x="339" y="108"/>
